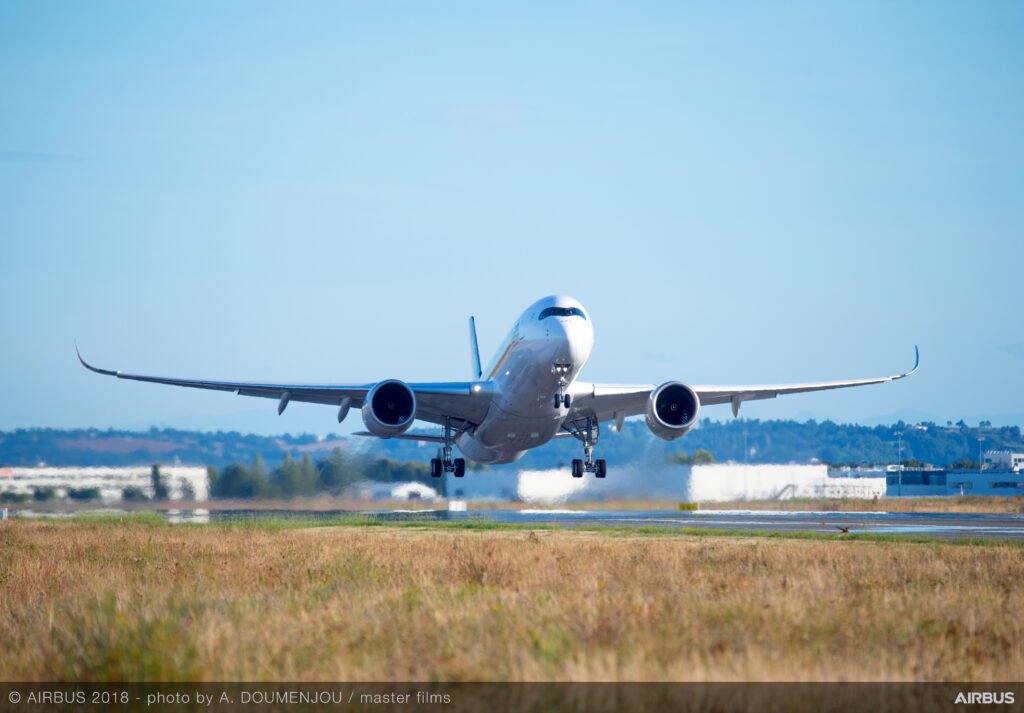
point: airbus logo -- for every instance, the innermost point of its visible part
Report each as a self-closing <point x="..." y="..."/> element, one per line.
<point x="985" y="698"/>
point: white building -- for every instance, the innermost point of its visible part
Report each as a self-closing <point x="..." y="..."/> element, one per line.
<point x="1003" y="460"/>
<point x="686" y="483"/>
<point x="731" y="482"/>
<point x="110" y="481"/>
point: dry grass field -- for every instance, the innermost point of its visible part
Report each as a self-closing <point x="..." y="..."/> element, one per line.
<point x="138" y="600"/>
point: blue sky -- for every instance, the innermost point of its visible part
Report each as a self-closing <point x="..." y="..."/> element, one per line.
<point x="324" y="192"/>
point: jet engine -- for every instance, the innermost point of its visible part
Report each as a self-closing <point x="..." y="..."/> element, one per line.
<point x="389" y="408"/>
<point x="672" y="410"/>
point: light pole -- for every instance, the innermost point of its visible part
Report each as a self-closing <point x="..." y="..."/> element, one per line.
<point x="899" y="463"/>
<point x="981" y="439"/>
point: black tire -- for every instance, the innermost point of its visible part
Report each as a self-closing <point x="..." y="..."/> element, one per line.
<point x="577" y="468"/>
<point x="460" y="467"/>
<point x="600" y="468"/>
<point x="558" y="401"/>
<point x="568" y="400"/>
<point x="435" y="467"/>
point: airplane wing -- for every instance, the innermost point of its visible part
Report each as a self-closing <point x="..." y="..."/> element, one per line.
<point x="463" y="401"/>
<point x="617" y="401"/>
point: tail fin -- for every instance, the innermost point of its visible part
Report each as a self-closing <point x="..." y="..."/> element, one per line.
<point x="474" y="349"/>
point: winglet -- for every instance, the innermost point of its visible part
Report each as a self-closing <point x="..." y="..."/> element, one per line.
<point x="917" y="363"/>
<point x="90" y="367"/>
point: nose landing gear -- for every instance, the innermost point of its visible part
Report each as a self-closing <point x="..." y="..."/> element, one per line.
<point x="588" y="434"/>
<point x="562" y="399"/>
<point x="447" y="464"/>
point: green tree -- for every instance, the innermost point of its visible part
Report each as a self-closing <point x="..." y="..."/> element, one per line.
<point x="292" y="479"/>
<point x="284" y="477"/>
<point x="212" y="480"/>
<point x="43" y="494"/>
<point x="259" y="467"/>
<point x="703" y="457"/>
<point x="134" y="494"/>
<point x="84" y="493"/>
<point x="238" y="481"/>
<point x="188" y="493"/>
<point x="337" y="472"/>
<point x="308" y="480"/>
<point x="964" y="464"/>
<point x="160" y="490"/>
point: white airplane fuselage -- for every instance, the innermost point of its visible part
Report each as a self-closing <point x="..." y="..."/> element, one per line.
<point x="551" y="341"/>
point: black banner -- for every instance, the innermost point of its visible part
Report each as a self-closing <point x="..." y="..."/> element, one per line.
<point x="513" y="697"/>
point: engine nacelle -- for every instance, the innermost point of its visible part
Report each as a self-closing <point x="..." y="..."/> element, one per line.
<point x="389" y="408"/>
<point x="672" y="410"/>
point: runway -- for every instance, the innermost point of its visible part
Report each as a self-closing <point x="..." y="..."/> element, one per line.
<point x="945" y="525"/>
<point x="940" y="525"/>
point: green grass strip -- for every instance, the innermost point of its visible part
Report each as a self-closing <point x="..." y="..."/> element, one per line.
<point x="155" y="519"/>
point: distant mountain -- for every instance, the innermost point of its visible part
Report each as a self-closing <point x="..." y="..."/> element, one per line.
<point x="737" y="440"/>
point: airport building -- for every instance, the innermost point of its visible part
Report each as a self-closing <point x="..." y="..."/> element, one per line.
<point x="724" y="482"/>
<point x="939" y="482"/>
<point x="731" y="482"/>
<point x="111" y="482"/>
<point x="985" y="482"/>
<point x="1003" y="460"/>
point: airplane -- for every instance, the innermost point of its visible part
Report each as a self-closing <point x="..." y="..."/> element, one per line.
<point x="528" y="395"/>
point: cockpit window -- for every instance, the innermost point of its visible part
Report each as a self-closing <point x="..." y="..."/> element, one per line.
<point x="561" y="312"/>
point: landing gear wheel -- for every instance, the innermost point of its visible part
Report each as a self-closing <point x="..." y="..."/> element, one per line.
<point x="558" y="400"/>
<point x="435" y="467"/>
<point x="567" y="400"/>
<point x="586" y="430"/>
<point x="460" y="467"/>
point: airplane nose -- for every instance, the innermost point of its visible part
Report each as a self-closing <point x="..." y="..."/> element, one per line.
<point x="572" y="340"/>
<point x="558" y="332"/>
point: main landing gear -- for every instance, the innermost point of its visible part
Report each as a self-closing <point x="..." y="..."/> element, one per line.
<point x="588" y="434"/>
<point x="446" y="464"/>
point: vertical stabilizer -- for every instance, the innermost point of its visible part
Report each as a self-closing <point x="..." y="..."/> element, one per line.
<point x="474" y="349"/>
